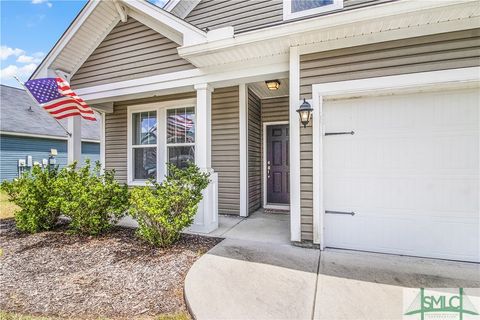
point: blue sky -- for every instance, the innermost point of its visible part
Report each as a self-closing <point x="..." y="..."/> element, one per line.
<point x="29" y="29"/>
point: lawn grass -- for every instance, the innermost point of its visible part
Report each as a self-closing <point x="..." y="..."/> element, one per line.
<point x="7" y="208"/>
<point x="14" y="316"/>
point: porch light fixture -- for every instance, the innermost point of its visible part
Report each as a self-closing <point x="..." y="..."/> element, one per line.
<point x="273" y="84"/>
<point x="305" y="112"/>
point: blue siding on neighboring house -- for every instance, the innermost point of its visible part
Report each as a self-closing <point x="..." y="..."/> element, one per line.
<point x="90" y="150"/>
<point x="13" y="148"/>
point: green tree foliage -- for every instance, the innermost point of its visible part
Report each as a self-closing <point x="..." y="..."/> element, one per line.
<point x="36" y="195"/>
<point x="164" y="209"/>
<point x="93" y="201"/>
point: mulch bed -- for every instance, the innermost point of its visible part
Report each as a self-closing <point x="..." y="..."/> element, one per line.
<point x="115" y="276"/>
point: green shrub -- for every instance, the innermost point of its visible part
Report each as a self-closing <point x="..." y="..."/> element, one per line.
<point x="164" y="209"/>
<point x="94" y="202"/>
<point x="36" y="195"/>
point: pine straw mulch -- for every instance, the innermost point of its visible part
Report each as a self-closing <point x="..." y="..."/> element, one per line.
<point x="115" y="276"/>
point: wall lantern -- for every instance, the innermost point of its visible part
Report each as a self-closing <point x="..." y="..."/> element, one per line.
<point x="305" y="112"/>
<point x="273" y="84"/>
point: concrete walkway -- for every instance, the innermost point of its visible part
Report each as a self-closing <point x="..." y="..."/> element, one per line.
<point x="256" y="274"/>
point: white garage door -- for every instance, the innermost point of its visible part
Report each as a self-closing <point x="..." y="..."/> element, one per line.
<point x="410" y="173"/>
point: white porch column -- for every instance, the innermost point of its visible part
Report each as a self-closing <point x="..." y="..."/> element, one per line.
<point x="74" y="150"/>
<point x="203" y="150"/>
<point x="243" y="116"/>
<point x="102" y="140"/>
<point x="295" y="207"/>
<point x="206" y="219"/>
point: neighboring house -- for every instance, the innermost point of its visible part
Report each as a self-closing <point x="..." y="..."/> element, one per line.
<point x="27" y="130"/>
<point x="389" y="162"/>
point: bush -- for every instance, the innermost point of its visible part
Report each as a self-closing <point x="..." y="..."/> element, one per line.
<point x="164" y="209"/>
<point x="36" y="195"/>
<point x="94" y="202"/>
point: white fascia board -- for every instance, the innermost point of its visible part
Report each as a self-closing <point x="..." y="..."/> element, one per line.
<point x="155" y="85"/>
<point x="171" y="4"/>
<point x="66" y="37"/>
<point x="42" y="136"/>
<point x="191" y="34"/>
<point x="334" y="20"/>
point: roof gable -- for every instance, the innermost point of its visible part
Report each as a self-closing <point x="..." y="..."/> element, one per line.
<point x="96" y="21"/>
<point x="130" y="51"/>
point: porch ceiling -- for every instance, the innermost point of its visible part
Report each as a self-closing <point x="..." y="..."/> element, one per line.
<point x="261" y="90"/>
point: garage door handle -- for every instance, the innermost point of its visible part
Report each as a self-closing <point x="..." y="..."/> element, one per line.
<point x="339" y="133"/>
<point x="340" y="212"/>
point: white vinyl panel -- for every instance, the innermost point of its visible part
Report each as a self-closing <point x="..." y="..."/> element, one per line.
<point x="410" y="173"/>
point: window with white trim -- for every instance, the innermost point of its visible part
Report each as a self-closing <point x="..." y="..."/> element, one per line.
<point x="181" y="136"/>
<point x="144" y="145"/>
<point x="159" y="133"/>
<point x="301" y="8"/>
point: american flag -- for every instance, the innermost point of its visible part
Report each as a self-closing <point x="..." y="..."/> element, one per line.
<point x="55" y="96"/>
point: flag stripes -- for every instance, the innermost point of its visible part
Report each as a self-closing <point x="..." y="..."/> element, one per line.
<point x="57" y="98"/>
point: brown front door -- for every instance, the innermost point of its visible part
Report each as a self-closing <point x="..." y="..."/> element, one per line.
<point x="277" y="164"/>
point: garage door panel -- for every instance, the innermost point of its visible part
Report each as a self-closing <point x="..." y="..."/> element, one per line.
<point x="421" y="236"/>
<point x="410" y="175"/>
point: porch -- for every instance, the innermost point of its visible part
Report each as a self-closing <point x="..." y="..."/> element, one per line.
<point x="261" y="226"/>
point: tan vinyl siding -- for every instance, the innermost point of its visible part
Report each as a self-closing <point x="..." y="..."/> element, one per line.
<point x="429" y="53"/>
<point x="116" y="142"/>
<point x="254" y="152"/>
<point x="116" y="132"/>
<point x="275" y="109"/>
<point x="245" y="15"/>
<point x="226" y="148"/>
<point x="306" y="185"/>
<point x="131" y="51"/>
<point x="420" y="54"/>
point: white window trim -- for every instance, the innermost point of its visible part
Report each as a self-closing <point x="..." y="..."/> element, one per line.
<point x="288" y="14"/>
<point x="161" y="109"/>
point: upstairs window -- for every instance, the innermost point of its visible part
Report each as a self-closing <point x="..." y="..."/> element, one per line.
<point x="301" y="8"/>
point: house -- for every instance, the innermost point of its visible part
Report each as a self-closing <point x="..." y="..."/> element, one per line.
<point x="27" y="130"/>
<point x="387" y="162"/>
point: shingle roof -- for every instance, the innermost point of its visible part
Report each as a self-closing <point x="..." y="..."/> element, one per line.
<point x="19" y="114"/>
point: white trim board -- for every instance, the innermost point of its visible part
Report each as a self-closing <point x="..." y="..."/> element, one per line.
<point x="265" y="203"/>
<point x="243" y="132"/>
<point x="294" y="127"/>
<point x="400" y="84"/>
<point x="181" y="81"/>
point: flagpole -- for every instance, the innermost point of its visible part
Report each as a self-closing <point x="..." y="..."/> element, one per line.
<point x="34" y="100"/>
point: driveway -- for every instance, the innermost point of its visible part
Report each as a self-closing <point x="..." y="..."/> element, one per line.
<point x="242" y="279"/>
